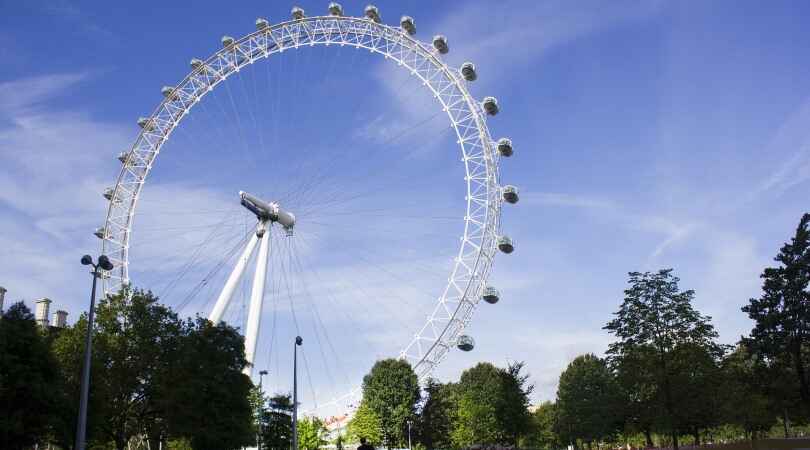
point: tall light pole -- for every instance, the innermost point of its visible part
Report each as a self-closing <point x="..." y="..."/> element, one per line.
<point x="81" y="427"/>
<point x="298" y="342"/>
<point x="262" y="373"/>
<point x="409" y="434"/>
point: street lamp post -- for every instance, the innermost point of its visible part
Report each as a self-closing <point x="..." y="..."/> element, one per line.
<point x="298" y="342"/>
<point x="409" y="434"/>
<point x="262" y="373"/>
<point x="81" y="427"/>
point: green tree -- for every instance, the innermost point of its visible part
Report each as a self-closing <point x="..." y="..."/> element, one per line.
<point x="782" y="313"/>
<point x="206" y="396"/>
<point x="542" y="435"/>
<point x="588" y="399"/>
<point x="277" y="430"/>
<point x="491" y="406"/>
<point x="655" y="318"/>
<point x="365" y="424"/>
<point x="745" y="400"/>
<point x="134" y="343"/>
<point x="311" y="433"/>
<point x="513" y="407"/>
<point x="696" y="385"/>
<point x="434" y="424"/>
<point x="636" y="378"/>
<point x="476" y="420"/>
<point x="391" y="390"/>
<point x="27" y="379"/>
<point x="155" y="375"/>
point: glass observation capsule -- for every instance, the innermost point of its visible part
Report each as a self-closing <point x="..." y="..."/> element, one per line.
<point x="505" y="147"/>
<point x="491" y="105"/>
<point x="145" y="123"/>
<point x="167" y="92"/>
<point x="440" y="44"/>
<point x="510" y="194"/>
<point x="408" y="24"/>
<point x="491" y="295"/>
<point x="99" y="232"/>
<point x="123" y="157"/>
<point x="505" y="244"/>
<point x="468" y="71"/>
<point x="465" y="343"/>
<point x="196" y="63"/>
<point x="297" y="13"/>
<point x="108" y="193"/>
<point x="335" y="9"/>
<point x="261" y="23"/>
<point x="227" y="41"/>
<point x="372" y="13"/>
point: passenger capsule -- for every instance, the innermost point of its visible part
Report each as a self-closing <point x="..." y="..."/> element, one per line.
<point x="145" y="123"/>
<point x="196" y="63"/>
<point x="123" y="157"/>
<point x="408" y="24"/>
<point x="440" y="43"/>
<point x="108" y="193"/>
<point x="99" y="233"/>
<point x="505" y="244"/>
<point x="510" y="194"/>
<point x="465" y="343"/>
<point x="335" y="9"/>
<point x="227" y="41"/>
<point x="262" y="23"/>
<point x="373" y="13"/>
<point x="468" y="71"/>
<point x="297" y="13"/>
<point x="491" y="105"/>
<point x="491" y="295"/>
<point x="505" y="147"/>
<point x="167" y="92"/>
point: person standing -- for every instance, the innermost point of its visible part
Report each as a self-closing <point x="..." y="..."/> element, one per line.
<point x="364" y="445"/>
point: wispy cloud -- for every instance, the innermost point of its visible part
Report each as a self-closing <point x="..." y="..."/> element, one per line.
<point x="19" y="97"/>
<point x="792" y="138"/>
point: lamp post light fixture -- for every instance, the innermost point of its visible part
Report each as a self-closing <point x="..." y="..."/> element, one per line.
<point x="298" y="342"/>
<point x="81" y="426"/>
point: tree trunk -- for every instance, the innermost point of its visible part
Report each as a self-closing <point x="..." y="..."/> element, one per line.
<point x="648" y="436"/>
<point x="786" y="423"/>
<point x="696" y="434"/>
<point x="675" y="440"/>
<point x="804" y="389"/>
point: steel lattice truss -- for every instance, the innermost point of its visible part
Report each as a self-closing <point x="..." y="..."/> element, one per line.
<point x="455" y="306"/>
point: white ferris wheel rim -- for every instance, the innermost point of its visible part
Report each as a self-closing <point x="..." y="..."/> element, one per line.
<point x="455" y="306"/>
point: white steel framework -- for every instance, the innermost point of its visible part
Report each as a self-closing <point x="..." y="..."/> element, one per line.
<point x="456" y="303"/>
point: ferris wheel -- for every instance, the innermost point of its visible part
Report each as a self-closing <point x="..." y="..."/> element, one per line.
<point x="273" y="222"/>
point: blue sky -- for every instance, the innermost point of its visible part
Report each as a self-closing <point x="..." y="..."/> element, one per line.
<point x="647" y="135"/>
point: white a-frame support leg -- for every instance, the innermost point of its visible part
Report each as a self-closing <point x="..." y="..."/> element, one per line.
<point x="257" y="297"/>
<point x="233" y="280"/>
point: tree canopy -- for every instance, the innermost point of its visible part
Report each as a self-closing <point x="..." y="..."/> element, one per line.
<point x="311" y="433"/>
<point x="158" y="376"/>
<point x="27" y="379"/>
<point x="391" y="391"/>
<point x="782" y="313"/>
<point x="655" y="325"/>
<point x="589" y="406"/>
